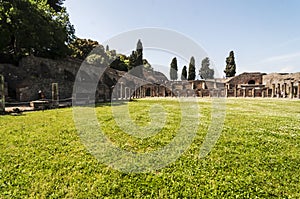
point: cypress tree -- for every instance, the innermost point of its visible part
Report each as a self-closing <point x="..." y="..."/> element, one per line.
<point x="192" y="69"/>
<point x="173" y="69"/>
<point x="184" y="73"/>
<point x="230" y="69"/>
<point x="139" y="53"/>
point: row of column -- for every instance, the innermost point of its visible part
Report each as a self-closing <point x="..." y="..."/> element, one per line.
<point x="124" y="92"/>
<point x="284" y="91"/>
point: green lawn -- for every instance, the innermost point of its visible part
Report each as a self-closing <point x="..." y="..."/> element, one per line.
<point x="256" y="156"/>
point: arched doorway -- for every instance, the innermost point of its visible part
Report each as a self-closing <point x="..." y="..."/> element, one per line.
<point x="251" y="82"/>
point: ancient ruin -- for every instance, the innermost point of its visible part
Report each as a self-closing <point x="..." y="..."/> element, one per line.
<point x="55" y="78"/>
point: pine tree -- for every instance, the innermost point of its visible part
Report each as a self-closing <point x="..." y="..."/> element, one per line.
<point x="174" y="69"/>
<point x="230" y="69"/>
<point x="192" y="69"/>
<point x="205" y="72"/>
<point x="184" y="73"/>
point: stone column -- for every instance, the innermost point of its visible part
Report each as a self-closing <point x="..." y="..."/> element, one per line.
<point x="226" y="92"/>
<point x="253" y="92"/>
<point x="140" y="92"/>
<point x="244" y="92"/>
<point x="55" y="95"/>
<point x="130" y="94"/>
<point x="292" y="90"/>
<point x="298" y="92"/>
<point x="125" y="92"/>
<point x="2" y="94"/>
<point x="163" y="91"/>
<point x="235" y="90"/>
<point x="285" y="91"/>
<point x="278" y="90"/>
<point x="273" y="90"/>
<point x="215" y="84"/>
<point x="121" y="90"/>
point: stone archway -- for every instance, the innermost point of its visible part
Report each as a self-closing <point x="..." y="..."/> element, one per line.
<point x="251" y="81"/>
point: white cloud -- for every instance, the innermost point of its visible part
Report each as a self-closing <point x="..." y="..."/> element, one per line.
<point x="287" y="69"/>
<point x="286" y="57"/>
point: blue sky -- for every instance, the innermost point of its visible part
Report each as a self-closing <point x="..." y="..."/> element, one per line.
<point x="264" y="34"/>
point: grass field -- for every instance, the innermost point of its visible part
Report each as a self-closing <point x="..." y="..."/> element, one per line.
<point x="256" y="156"/>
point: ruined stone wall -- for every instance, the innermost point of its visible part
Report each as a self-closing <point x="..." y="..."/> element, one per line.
<point x="246" y="78"/>
<point x="280" y="78"/>
<point x="34" y="74"/>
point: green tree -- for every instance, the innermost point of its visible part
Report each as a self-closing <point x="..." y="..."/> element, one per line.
<point x="136" y="61"/>
<point x="205" y="72"/>
<point x="184" y="73"/>
<point x="174" y="69"/>
<point x="56" y="4"/>
<point x="147" y="65"/>
<point x="132" y="59"/>
<point x="81" y="48"/>
<point x="192" y="69"/>
<point x="230" y="69"/>
<point x="34" y="27"/>
<point x="119" y="64"/>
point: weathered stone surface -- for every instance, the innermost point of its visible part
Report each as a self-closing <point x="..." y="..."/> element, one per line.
<point x="246" y="78"/>
<point x="34" y="74"/>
